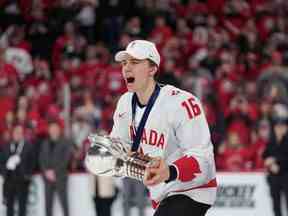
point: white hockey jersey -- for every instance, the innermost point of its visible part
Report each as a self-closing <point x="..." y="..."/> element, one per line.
<point x="176" y="130"/>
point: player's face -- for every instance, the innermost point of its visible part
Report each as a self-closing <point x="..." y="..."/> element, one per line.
<point x="137" y="73"/>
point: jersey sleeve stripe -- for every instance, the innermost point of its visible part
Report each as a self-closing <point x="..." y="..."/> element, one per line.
<point x="211" y="184"/>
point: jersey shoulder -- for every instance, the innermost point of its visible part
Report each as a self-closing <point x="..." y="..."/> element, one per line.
<point x="125" y="99"/>
<point x="124" y="102"/>
<point x="173" y="95"/>
<point x="181" y="105"/>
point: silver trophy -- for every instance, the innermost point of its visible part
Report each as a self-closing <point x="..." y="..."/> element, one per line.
<point x="109" y="156"/>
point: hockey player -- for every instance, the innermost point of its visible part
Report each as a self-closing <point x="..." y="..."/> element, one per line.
<point x="169" y="125"/>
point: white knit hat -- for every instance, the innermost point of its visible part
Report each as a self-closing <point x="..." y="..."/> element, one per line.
<point x="140" y="49"/>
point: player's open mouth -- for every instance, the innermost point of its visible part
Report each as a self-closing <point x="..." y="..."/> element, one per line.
<point x="130" y="79"/>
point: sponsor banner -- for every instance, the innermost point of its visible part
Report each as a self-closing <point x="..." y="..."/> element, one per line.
<point x="242" y="194"/>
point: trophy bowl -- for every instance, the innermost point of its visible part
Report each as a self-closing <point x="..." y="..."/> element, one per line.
<point x="100" y="161"/>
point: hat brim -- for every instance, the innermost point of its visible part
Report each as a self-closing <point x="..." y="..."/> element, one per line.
<point x="123" y="55"/>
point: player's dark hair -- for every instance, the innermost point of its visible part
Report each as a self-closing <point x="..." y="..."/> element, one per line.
<point x="153" y="64"/>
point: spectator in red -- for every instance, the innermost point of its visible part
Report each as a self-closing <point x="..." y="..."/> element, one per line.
<point x="252" y="68"/>
<point x="6" y="103"/>
<point x="161" y="32"/>
<point x="107" y="113"/>
<point x="39" y="85"/>
<point x="71" y="42"/>
<point x="8" y="73"/>
<point x="114" y="83"/>
<point x="183" y="31"/>
<point x="233" y="154"/>
<point x="8" y="86"/>
<point x="6" y="127"/>
<point x="196" y="13"/>
<point x="240" y="107"/>
<point x="265" y="24"/>
<point x="216" y="6"/>
<point x="236" y="12"/>
<point x="28" y="7"/>
<point x="199" y="42"/>
<point x="17" y="38"/>
<point x="172" y="50"/>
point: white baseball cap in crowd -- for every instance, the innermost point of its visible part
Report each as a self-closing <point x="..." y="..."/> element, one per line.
<point x="140" y="49"/>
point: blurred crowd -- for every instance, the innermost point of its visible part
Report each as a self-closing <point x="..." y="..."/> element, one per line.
<point x="56" y="65"/>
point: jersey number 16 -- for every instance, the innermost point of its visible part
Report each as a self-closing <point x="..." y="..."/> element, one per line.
<point x="191" y="108"/>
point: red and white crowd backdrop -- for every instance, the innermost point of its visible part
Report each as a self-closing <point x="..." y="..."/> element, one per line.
<point x="238" y="194"/>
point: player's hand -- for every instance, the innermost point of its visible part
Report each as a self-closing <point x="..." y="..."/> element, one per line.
<point x="50" y="175"/>
<point x="156" y="172"/>
<point x="269" y="161"/>
<point x="274" y="168"/>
